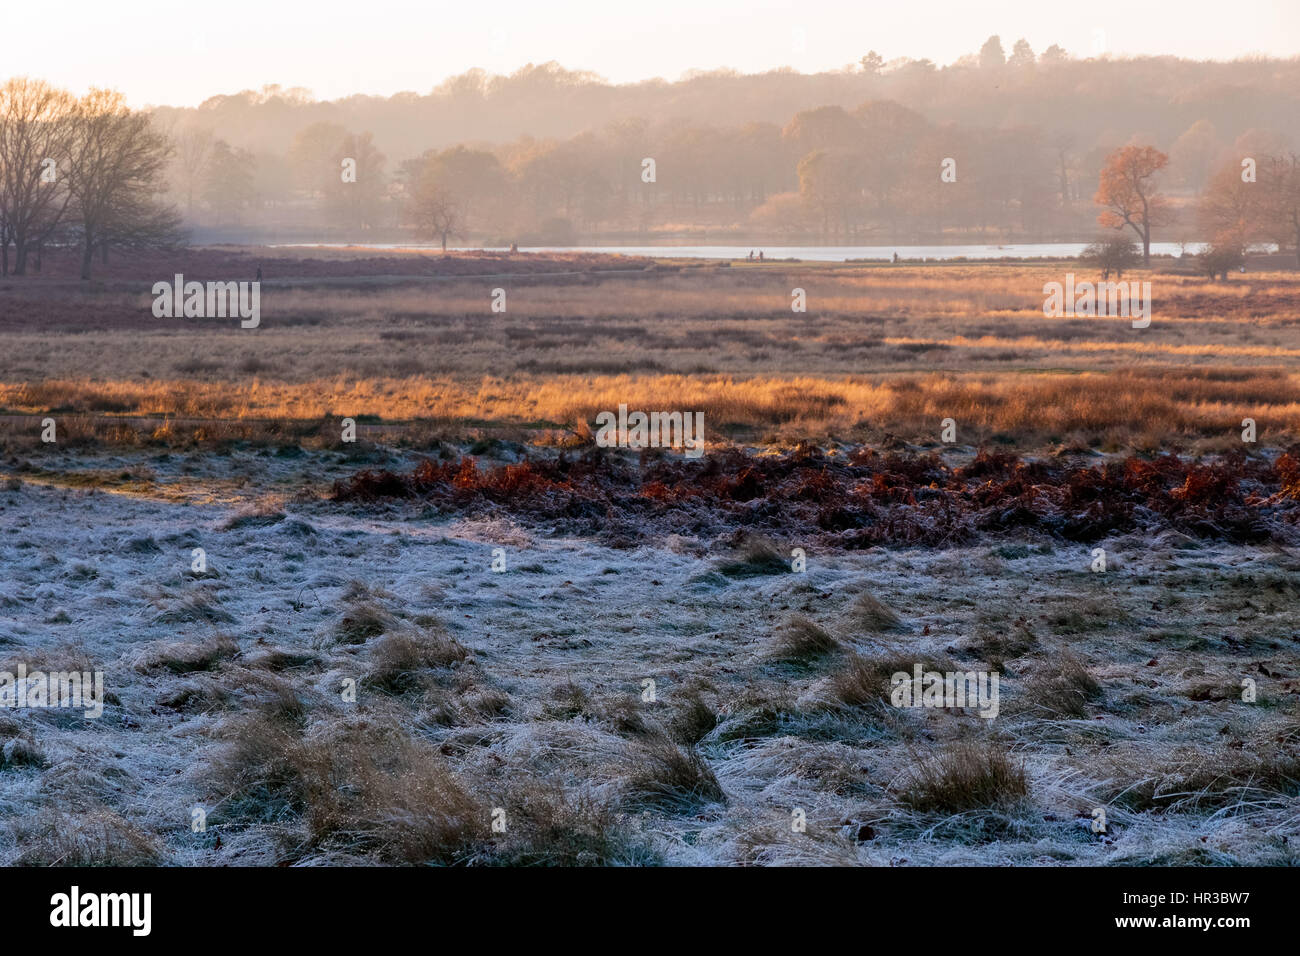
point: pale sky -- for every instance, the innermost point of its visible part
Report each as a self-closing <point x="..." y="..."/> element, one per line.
<point x="178" y="52"/>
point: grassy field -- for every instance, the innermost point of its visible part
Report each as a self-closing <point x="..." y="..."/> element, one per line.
<point x="880" y="350"/>
<point x="473" y="637"/>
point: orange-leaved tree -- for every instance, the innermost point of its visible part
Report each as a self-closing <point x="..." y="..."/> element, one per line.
<point x="1127" y="191"/>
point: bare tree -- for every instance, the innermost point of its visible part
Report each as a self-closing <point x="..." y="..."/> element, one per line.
<point x="1062" y="143"/>
<point x="357" y="203"/>
<point x="1238" y="211"/>
<point x="1280" y="180"/>
<point x="5" y="239"/>
<point x="35" y="131"/>
<point x="115" y="174"/>
<point x="194" y="147"/>
<point x="311" y="157"/>
<point x="1229" y="206"/>
<point x="436" y="213"/>
<point x="138" y="222"/>
<point x="228" y="182"/>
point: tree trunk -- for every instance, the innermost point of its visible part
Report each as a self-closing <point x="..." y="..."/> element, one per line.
<point x="20" y="258"/>
<point x="444" y="242"/>
<point x="87" y="257"/>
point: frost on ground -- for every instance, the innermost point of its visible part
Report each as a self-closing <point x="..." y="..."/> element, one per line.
<point x="505" y="716"/>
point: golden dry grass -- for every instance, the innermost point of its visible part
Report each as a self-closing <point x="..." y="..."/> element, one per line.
<point x="1165" y="403"/>
<point x="880" y="350"/>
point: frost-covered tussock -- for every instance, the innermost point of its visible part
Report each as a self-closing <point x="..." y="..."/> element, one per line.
<point x="439" y="678"/>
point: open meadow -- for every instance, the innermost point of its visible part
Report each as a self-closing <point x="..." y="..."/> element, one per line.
<point x="475" y="635"/>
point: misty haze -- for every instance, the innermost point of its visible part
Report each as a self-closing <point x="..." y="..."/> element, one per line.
<point x="854" y="459"/>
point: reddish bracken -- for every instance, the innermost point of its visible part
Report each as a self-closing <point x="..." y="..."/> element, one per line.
<point x="863" y="499"/>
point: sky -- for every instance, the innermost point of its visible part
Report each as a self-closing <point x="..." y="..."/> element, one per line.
<point x="180" y="53"/>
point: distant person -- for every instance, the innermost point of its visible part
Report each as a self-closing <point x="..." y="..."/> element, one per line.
<point x="895" y="256"/>
<point x="760" y="255"/>
<point x="514" y="247"/>
<point x="750" y="257"/>
<point x="259" y="273"/>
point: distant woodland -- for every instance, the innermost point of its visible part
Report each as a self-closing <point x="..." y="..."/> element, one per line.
<point x="551" y="156"/>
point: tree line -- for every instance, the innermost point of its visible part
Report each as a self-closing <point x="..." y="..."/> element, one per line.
<point x="85" y="172"/>
<point x="1161" y="97"/>
<point x="92" y="173"/>
<point x="552" y="156"/>
<point x="880" y="172"/>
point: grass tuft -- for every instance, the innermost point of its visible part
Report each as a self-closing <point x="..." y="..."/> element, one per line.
<point x="966" y="776"/>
